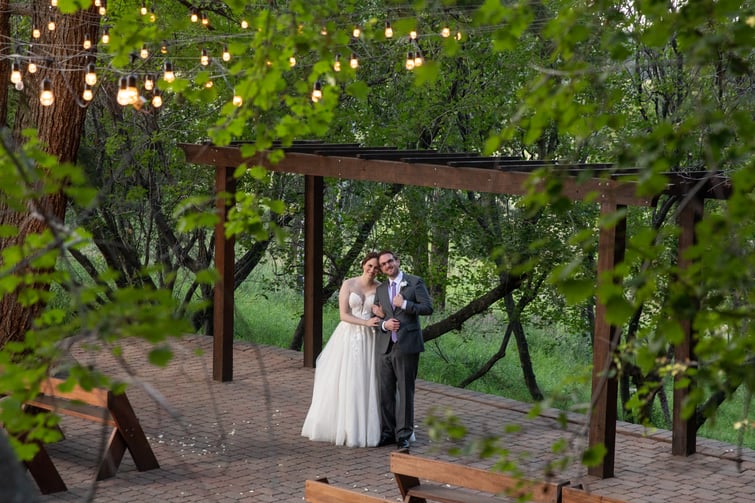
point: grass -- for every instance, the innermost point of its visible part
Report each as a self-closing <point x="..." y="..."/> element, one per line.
<point x="561" y="362"/>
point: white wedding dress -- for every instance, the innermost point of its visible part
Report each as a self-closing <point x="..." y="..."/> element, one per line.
<point x="344" y="407"/>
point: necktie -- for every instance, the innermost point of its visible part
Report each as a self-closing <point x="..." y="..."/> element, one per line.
<point x="394" y="336"/>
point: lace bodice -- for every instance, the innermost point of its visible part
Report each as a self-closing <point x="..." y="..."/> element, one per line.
<point x="361" y="308"/>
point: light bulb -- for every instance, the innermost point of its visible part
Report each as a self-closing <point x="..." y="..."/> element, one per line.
<point x="164" y="47"/>
<point x="15" y="73"/>
<point x="205" y="19"/>
<point x="353" y="61"/>
<point x="445" y="32"/>
<point x="409" y="61"/>
<point x="152" y="15"/>
<point x="53" y="3"/>
<point x="413" y="35"/>
<point x="149" y="82"/>
<point x="168" y="75"/>
<point x="292" y="61"/>
<point x="90" y="77"/>
<point x="97" y="3"/>
<point x="46" y="97"/>
<point x="157" y="99"/>
<point x="103" y="10"/>
<point x="418" y="59"/>
<point x="144" y="53"/>
<point x="51" y="26"/>
<point x="127" y="92"/>
<point x="244" y="24"/>
<point x="143" y="9"/>
<point x="324" y="30"/>
<point x="388" y="30"/>
<point x="337" y="63"/>
<point x="317" y="92"/>
<point x="35" y="32"/>
<point x="87" y="43"/>
<point x="205" y="58"/>
<point x="32" y="68"/>
<point x="357" y="32"/>
<point x="458" y="35"/>
<point x="226" y="54"/>
<point x="194" y="16"/>
<point x="209" y="84"/>
<point x="237" y="100"/>
<point x="88" y="94"/>
<point x="106" y="36"/>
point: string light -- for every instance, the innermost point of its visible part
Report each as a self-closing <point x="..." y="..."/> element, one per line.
<point x="143" y="9"/>
<point x="317" y="92"/>
<point x="209" y="84"/>
<point x="409" y="65"/>
<point x="35" y="33"/>
<point x="149" y="82"/>
<point x="15" y="73"/>
<point x="144" y="53"/>
<point x="356" y="32"/>
<point x="354" y="61"/>
<point x="205" y="19"/>
<point x="292" y="61"/>
<point x="194" y="16"/>
<point x="388" y="30"/>
<point x="53" y="3"/>
<point x="413" y="34"/>
<point x="164" y="47"/>
<point x="32" y="68"/>
<point x="244" y="24"/>
<point x="157" y="98"/>
<point x="51" y="25"/>
<point x="128" y="94"/>
<point x="168" y="74"/>
<point x="204" y="58"/>
<point x="106" y="36"/>
<point x="237" y="100"/>
<point x="323" y="31"/>
<point x="445" y="32"/>
<point x="46" y="96"/>
<point x="458" y="35"/>
<point x="102" y="8"/>
<point x="226" y="54"/>
<point x="87" y="94"/>
<point x="337" y="63"/>
<point x="87" y="43"/>
<point x="418" y="59"/>
<point x="90" y="77"/>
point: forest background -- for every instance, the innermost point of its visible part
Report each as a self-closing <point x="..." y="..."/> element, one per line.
<point x="107" y="233"/>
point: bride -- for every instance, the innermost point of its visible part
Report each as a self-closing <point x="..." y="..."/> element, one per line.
<point x="344" y="407"/>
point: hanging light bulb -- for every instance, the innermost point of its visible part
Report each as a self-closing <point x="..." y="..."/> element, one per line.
<point x="337" y="63"/>
<point x="35" y="33"/>
<point x="152" y="15"/>
<point x="53" y="3"/>
<point x="144" y="53"/>
<point x="90" y="77"/>
<point x="98" y="3"/>
<point x="157" y="98"/>
<point x="209" y="84"/>
<point x="149" y="82"/>
<point x="413" y="34"/>
<point x="356" y="32"/>
<point x="32" y="68"/>
<point x="388" y="30"/>
<point x="51" y="25"/>
<point x="418" y="59"/>
<point x="194" y="16"/>
<point x="168" y="75"/>
<point x="354" y="61"/>
<point x="15" y="73"/>
<point x="244" y="24"/>
<point x="102" y="8"/>
<point x="237" y="100"/>
<point x="458" y="35"/>
<point x="46" y="97"/>
<point x="87" y="94"/>
<point x="143" y="9"/>
<point x="317" y="92"/>
<point x="226" y="54"/>
<point x="445" y="32"/>
<point x="87" y="42"/>
<point x="409" y="61"/>
<point x="205" y="19"/>
<point x="205" y="58"/>
<point x="324" y="30"/>
<point x="292" y="61"/>
<point x="128" y="94"/>
<point x="164" y="47"/>
<point x="106" y="36"/>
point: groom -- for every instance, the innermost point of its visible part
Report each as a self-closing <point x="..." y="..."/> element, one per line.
<point x="402" y="299"/>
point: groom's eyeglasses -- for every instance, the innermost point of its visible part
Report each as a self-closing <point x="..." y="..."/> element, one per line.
<point x="389" y="261"/>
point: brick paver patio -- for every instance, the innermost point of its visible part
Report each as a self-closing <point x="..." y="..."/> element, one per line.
<point x="240" y="440"/>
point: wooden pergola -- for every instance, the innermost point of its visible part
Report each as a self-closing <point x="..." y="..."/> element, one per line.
<point x="609" y="188"/>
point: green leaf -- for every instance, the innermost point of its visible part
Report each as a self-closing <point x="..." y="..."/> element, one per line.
<point x="593" y="456"/>
<point x="160" y="356"/>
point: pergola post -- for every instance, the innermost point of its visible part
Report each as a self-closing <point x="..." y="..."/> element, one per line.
<point x="684" y="431"/>
<point x="222" y="356"/>
<point x="313" y="223"/>
<point x="611" y="246"/>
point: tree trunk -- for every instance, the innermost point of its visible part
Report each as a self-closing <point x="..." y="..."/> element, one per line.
<point x="59" y="129"/>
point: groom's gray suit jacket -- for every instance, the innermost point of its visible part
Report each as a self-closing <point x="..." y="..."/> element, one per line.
<point x="418" y="302"/>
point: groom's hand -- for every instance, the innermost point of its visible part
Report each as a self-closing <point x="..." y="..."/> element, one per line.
<point x="398" y="300"/>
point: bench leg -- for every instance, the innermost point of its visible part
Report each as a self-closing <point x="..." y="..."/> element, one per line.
<point x="44" y="473"/>
<point x="116" y="448"/>
<point x="130" y="433"/>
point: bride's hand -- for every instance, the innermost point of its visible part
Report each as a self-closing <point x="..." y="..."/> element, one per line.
<point x="373" y="322"/>
<point x="378" y="311"/>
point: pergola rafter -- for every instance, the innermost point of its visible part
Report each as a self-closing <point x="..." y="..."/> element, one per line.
<point x="599" y="183"/>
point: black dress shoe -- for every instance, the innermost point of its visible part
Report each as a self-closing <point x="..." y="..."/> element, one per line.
<point x="403" y="443"/>
<point x="386" y="440"/>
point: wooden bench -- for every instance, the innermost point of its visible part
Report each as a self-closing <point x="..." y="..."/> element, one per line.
<point x="578" y="495"/>
<point x="99" y="405"/>
<point x="455" y="483"/>
<point x="320" y="491"/>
